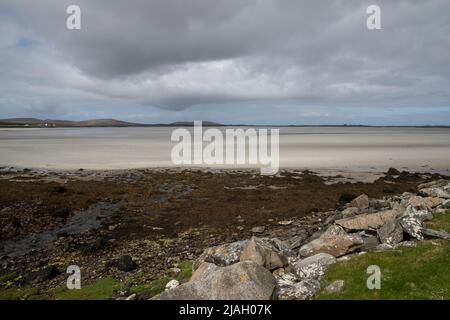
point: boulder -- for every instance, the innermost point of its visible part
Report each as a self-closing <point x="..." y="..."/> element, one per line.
<point x="223" y="255"/>
<point x="125" y="263"/>
<point x="435" y="192"/>
<point x="361" y="202"/>
<point x="335" y="287"/>
<point x="434" y="184"/>
<point x="436" y="233"/>
<point x="314" y="267"/>
<point x="379" y="205"/>
<point x="203" y="270"/>
<point x="285" y="278"/>
<point x="303" y="290"/>
<point x="412" y="226"/>
<point x="334" y="241"/>
<point x="446" y="204"/>
<point x="369" y="221"/>
<point x="434" y="202"/>
<point x="418" y="203"/>
<point x="428" y="203"/>
<point x="369" y="242"/>
<point x="263" y="254"/>
<point x="422" y="215"/>
<point x="172" y="284"/>
<point x="391" y="232"/>
<point x="241" y="281"/>
<point x="282" y="247"/>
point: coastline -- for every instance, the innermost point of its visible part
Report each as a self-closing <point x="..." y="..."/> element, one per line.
<point x="166" y="217"/>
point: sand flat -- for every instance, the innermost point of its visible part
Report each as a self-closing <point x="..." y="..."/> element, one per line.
<point x="355" y="148"/>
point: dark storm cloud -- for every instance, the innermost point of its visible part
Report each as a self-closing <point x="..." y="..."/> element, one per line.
<point x="176" y="54"/>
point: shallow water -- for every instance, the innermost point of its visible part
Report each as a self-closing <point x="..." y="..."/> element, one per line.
<point x="80" y="222"/>
<point x="423" y="149"/>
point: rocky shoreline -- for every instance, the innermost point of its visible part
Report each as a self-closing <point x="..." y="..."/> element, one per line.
<point x="262" y="268"/>
<point x="139" y="228"/>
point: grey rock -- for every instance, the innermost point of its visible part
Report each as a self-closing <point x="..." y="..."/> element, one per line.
<point x="125" y="263"/>
<point x="263" y="253"/>
<point x="172" y="284"/>
<point x="379" y="205"/>
<point x="391" y="232"/>
<point x="435" y="192"/>
<point x="259" y="229"/>
<point x="412" y="226"/>
<point x="296" y="241"/>
<point x="436" y="233"/>
<point x="434" y="184"/>
<point x="350" y="211"/>
<point x="223" y="255"/>
<point x="314" y="267"/>
<point x="203" y="270"/>
<point x="370" y="242"/>
<point x="303" y="290"/>
<point x="282" y="247"/>
<point x="335" y="287"/>
<point x="361" y="202"/>
<point x="240" y="281"/>
<point x="446" y="204"/>
<point x="420" y="214"/>
<point x="370" y="221"/>
<point x="334" y="241"/>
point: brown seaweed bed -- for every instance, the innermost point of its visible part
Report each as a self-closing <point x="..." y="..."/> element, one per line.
<point x="161" y="216"/>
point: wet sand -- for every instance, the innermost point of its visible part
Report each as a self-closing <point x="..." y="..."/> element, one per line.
<point x="325" y="148"/>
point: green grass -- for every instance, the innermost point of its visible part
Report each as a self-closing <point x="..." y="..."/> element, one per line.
<point x="8" y="277"/>
<point x="102" y="289"/>
<point x="18" y="293"/>
<point x="421" y="272"/>
<point x="158" y="285"/>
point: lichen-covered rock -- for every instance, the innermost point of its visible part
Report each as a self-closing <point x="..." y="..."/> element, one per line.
<point x="303" y="290"/>
<point x="335" y="287"/>
<point x="434" y="184"/>
<point x="223" y="255"/>
<point x="263" y="253"/>
<point x="442" y="192"/>
<point x="421" y="215"/>
<point x="370" y="221"/>
<point x="314" y="267"/>
<point x="412" y="226"/>
<point x="334" y="241"/>
<point x="241" y="281"/>
<point x="391" y="232"/>
<point x="172" y="284"/>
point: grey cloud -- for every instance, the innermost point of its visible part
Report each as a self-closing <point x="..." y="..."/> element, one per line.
<point x="177" y="54"/>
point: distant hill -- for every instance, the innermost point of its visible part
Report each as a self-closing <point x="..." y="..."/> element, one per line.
<point x="191" y="123"/>
<point x="49" y="123"/>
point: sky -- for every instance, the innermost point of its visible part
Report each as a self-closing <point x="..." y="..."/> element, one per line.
<point x="230" y="61"/>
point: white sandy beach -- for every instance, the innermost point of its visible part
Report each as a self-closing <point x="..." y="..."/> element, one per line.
<point x="367" y="149"/>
